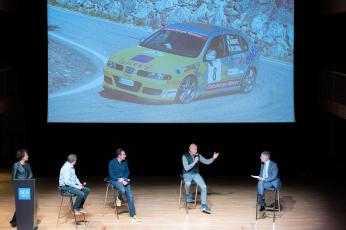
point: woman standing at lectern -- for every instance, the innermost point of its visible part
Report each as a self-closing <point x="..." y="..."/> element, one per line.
<point x="20" y="170"/>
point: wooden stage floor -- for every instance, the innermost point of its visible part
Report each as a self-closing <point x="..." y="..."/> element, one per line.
<point x="232" y="203"/>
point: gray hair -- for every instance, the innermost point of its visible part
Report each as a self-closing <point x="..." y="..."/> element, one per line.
<point x="266" y="153"/>
<point x="71" y="158"/>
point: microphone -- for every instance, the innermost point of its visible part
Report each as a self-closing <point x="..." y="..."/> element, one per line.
<point x="197" y="155"/>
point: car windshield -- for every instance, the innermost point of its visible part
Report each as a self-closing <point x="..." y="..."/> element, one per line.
<point x="176" y="42"/>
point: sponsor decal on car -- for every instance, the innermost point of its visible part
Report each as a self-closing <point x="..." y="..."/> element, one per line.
<point x="223" y="84"/>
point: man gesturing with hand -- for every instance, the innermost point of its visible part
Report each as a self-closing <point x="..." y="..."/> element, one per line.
<point x="191" y="161"/>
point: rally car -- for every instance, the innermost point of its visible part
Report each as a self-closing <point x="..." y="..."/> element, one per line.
<point x="184" y="61"/>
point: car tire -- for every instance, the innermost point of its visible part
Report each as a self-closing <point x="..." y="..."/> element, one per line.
<point x="187" y="90"/>
<point x="249" y="81"/>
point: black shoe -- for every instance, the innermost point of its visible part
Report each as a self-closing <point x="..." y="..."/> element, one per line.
<point x="13" y="224"/>
<point x="261" y="205"/>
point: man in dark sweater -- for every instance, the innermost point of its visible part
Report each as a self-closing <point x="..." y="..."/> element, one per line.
<point x="119" y="177"/>
<point x="191" y="161"/>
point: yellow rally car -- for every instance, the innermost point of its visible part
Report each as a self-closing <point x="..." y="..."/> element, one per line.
<point x="184" y="61"/>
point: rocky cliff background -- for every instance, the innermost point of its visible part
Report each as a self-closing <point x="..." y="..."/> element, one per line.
<point x="269" y="23"/>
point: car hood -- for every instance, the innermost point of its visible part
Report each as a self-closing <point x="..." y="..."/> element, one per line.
<point x="152" y="60"/>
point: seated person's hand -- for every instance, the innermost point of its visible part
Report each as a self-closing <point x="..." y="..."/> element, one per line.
<point x="80" y="186"/>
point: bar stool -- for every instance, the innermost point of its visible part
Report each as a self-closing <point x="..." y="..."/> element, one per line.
<point x="276" y="207"/>
<point x="182" y="182"/>
<point x="115" y="192"/>
<point x="66" y="194"/>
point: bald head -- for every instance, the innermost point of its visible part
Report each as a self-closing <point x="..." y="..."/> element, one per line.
<point x="193" y="149"/>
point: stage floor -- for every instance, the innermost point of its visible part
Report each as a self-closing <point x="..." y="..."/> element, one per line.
<point x="232" y="202"/>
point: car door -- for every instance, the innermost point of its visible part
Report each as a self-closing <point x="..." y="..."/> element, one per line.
<point x="215" y="66"/>
<point x="236" y="58"/>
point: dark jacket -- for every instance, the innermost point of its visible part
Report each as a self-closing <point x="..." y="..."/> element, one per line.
<point x="118" y="170"/>
<point x="20" y="171"/>
<point x="272" y="174"/>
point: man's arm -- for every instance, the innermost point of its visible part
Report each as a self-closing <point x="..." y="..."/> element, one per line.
<point x="30" y="171"/>
<point x="65" y="176"/>
<point x="112" y="170"/>
<point x="206" y="161"/>
<point x="186" y="164"/>
<point x="261" y="171"/>
<point x="127" y="171"/>
<point x="273" y="174"/>
<point x="14" y="171"/>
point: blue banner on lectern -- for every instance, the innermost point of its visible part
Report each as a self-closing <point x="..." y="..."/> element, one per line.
<point x="24" y="193"/>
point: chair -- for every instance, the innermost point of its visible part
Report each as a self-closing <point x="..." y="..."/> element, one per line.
<point x="70" y="196"/>
<point x="180" y="193"/>
<point x="115" y="194"/>
<point x="276" y="207"/>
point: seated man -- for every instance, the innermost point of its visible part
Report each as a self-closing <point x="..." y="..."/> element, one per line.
<point x="119" y="176"/>
<point x="68" y="181"/>
<point x="191" y="172"/>
<point x="268" y="178"/>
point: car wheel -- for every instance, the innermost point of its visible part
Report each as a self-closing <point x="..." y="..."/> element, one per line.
<point x="187" y="90"/>
<point x="249" y="81"/>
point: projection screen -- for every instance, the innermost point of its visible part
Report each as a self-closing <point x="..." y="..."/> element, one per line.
<point x="170" y="61"/>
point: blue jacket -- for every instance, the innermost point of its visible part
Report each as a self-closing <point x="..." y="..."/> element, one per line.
<point x="272" y="174"/>
<point x="118" y="170"/>
<point x="21" y="171"/>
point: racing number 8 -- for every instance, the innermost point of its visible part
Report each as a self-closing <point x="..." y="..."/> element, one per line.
<point x="214" y="73"/>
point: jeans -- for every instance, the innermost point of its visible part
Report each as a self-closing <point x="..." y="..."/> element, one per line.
<point x="264" y="185"/>
<point x="126" y="191"/>
<point x="196" y="177"/>
<point x="81" y="195"/>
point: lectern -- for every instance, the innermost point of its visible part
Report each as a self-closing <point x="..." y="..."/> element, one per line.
<point x="26" y="204"/>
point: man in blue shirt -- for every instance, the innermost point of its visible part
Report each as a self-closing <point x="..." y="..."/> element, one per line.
<point x="68" y="181"/>
<point x="191" y="161"/>
<point x="119" y="176"/>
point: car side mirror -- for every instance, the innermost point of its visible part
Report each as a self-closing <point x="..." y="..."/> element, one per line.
<point x="211" y="55"/>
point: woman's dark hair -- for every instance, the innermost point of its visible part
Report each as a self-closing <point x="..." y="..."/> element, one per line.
<point x="21" y="153"/>
<point x="118" y="152"/>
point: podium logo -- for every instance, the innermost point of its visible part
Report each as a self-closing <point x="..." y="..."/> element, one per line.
<point x="23" y="193"/>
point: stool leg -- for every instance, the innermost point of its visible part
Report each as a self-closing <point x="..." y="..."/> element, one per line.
<point x="57" y="221"/>
<point x="186" y="204"/>
<point x="106" y="197"/>
<point x="181" y="185"/>
<point x="274" y="209"/>
<point x="279" y="201"/>
<point x="256" y="207"/>
<point x="74" y="214"/>
<point x="115" y="203"/>
<point x="196" y="193"/>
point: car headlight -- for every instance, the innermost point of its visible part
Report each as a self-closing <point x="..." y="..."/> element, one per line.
<point x="114" y="65"/>
<point x="110" y="64"/>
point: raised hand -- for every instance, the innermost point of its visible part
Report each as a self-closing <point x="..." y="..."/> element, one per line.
<point x="216" y="154"/>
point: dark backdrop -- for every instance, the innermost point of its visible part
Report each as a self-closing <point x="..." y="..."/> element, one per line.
<point x="301" y="148"/>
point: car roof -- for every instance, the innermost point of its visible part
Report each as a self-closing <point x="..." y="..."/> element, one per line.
<point x="203" y="29"/>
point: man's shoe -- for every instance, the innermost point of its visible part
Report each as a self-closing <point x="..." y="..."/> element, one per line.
<point x="205" y="208"/>
<point x="13" y="224"/>
<point x="77" y="212"/>
<point x="82" y="210"/>
<point x="261" y="205"/>
<point x="117" y="202"/>
<point x="135" y="219"/>
<point x="188" y="198"/>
